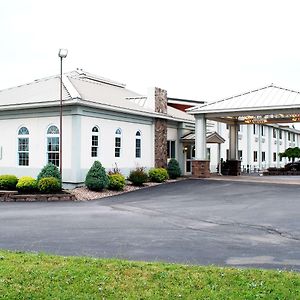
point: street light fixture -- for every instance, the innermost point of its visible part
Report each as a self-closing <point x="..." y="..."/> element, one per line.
<point x="62" y="53"/>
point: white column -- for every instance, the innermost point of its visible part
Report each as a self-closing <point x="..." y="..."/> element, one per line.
<point x="269" y="139"/>
<point x="259" y="154"/>
<point x="249" y="143"/>
<point x="200" y="137"/>
<point x="233" y="141"/>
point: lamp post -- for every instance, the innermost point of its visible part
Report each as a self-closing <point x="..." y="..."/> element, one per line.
<point x="62" y="53"/>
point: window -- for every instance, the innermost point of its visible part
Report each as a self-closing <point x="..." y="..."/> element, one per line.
<point x="289" y="136"/>
<point x="95" y="141"/>
<point x="274" y="156"/>
<point x="293" y="137"/>
<point x="254" y="128"/>
<point x="274" y="133"/>
<point x="23" y="147"/>
<point x="227" y="154"/>
<point x="118" y="142"/>
<point x="171" y="149"/>
<point x="240" y="154"/>
<point x="263" y="156"/>
<point x="255" y="156"/>
<point x="53" y="145"/>
<point x="280" y="134"/>
<point x="262" y="130"/>
<point x="138" y="144"/>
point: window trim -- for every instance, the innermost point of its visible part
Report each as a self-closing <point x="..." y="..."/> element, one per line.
<point x="138" y="137"/>
<point x="95" y="147"/>
<point x="25" y="136"/>
<point x="53" y="135"/>
<point x="118" y="149"/>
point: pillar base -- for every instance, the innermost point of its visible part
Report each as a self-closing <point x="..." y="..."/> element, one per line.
<point x="200" y="168"/>
<point x="234" y="167"/>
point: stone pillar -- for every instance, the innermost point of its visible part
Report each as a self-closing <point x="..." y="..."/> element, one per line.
<point x="200" y="166"/>
<point x="160" y="125"/>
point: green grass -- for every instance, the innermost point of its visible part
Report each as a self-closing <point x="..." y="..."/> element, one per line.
<point x="40" y="276"/>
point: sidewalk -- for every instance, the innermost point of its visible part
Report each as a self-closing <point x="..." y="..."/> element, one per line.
<point x="286" y="179"/>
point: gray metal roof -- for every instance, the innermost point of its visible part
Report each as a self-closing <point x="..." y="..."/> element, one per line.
<point x="87" y="88"/>
<point x="260" y="99"/>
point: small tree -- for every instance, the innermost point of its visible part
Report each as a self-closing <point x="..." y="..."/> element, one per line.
<point x="49" y="170"/>
<point x="291" y="153"/>
<point x="173" y="168"/>
<point x="96" y="178"/>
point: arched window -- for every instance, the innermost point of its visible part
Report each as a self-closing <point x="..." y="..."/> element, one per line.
<point x="138" y="145"/>
<point x="23" y="146"/>
<point x="53" y="145"/>
<point x="118" y="141"/>
<point x="95" y="141"/>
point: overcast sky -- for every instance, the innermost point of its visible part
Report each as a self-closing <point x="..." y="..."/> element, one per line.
<point x="204" y="50"/>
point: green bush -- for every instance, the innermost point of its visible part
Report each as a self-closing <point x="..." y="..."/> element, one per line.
<point x="96" y="178"/>
<point x="8" y="182"/>
<point x="27" y="184"/>
<point x="173" y="168"/>
<point x="138" y="176"/>
<point x="50" y="170"/>
<point x="49" y="185"/>
<point x="158" y="175"/>
<point x="116" y="182"/>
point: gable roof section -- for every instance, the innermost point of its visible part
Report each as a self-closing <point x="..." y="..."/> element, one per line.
<point x="264" y="98"/>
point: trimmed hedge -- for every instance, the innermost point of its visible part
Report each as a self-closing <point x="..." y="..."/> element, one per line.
<point x="27" y="184"/>
<point x="158" y="175"/>
<point x="8" y="182"/>
<point x="48" y="185"/>
<point x="116" y="182"/>
<point x="96" y="178"/>
<point x="173" y="168"/>
<point x="138" y="176"/>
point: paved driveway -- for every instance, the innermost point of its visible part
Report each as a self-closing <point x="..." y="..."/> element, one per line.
<point x="192" y="221"/>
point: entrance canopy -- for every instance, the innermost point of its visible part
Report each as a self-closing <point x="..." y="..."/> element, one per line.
<point x="270" y="104"/>
<point x="211" y="138"/>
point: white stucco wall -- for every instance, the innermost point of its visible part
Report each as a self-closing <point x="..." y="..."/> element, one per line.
<point x="37" y="144"/>
<point x="106" y="154"/>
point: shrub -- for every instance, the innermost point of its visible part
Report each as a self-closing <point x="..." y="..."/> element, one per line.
<point x="96" y="178"/>
<point x="158" y="174"/>
<point x="50" y="170"/>
<point x="27" y="184"/>
<point x="138" y="176"/>
<point x="173" y="168"/>
<point x="8" y="182"/>
<point x="48" y="185"/>
<point x="116" y="182"/>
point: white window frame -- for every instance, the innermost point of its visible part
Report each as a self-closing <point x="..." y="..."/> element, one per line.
<point x="95" y="141"/>
<point x="24" y="147"/>
<point x="118" y="142"/>
<point x="138" y="139"/>
<point x="51" y="135"/>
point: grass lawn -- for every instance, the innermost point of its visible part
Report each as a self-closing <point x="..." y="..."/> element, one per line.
<point x="40" y="276"/>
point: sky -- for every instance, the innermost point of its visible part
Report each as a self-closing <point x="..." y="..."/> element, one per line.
<point x="203" y="50"/>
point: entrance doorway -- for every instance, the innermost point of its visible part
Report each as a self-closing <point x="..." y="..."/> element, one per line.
<point x="189" y="155"/>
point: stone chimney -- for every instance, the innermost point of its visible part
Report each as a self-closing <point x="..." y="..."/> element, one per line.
<point x="159" y="99"/>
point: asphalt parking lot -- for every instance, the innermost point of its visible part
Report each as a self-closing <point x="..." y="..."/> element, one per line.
<point x="193" y="221"/>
